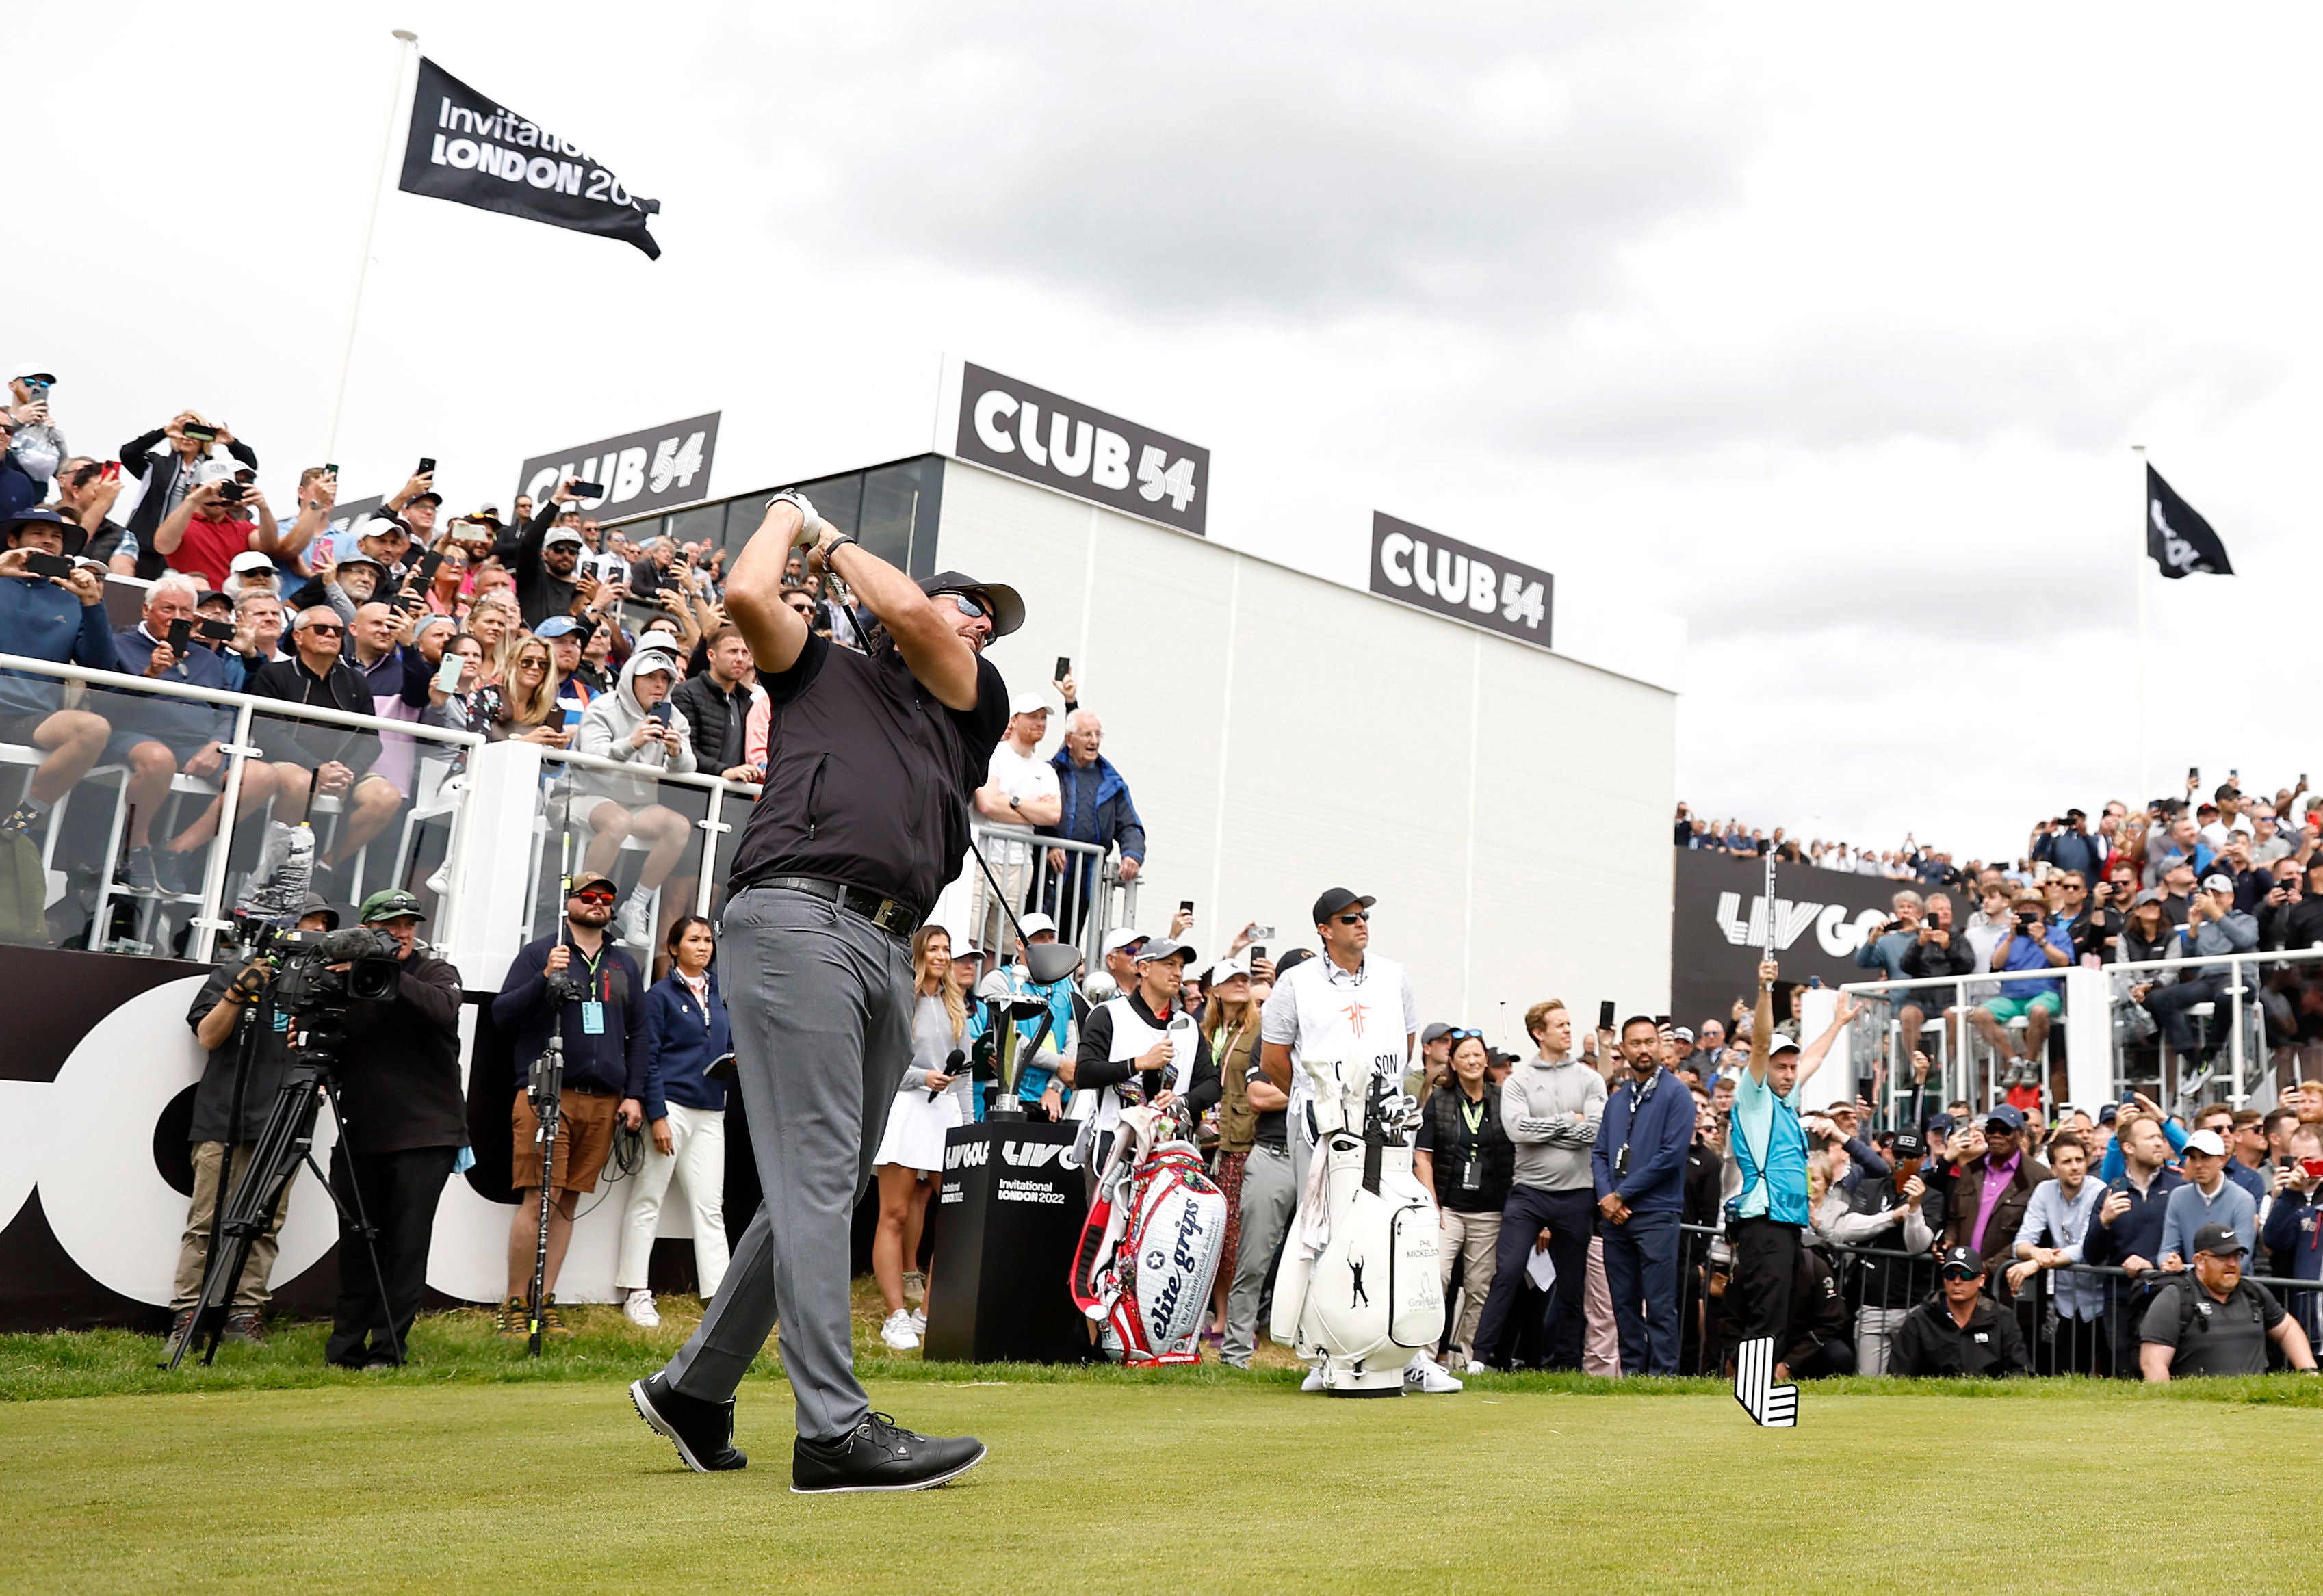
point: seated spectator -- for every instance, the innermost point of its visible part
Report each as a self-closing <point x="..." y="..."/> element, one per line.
<point x="160" y="737"/>
<point x="1095" y="807"/>
<point x="312" y="757"/>
<point x="219" y="518"/>
<point x="365" y="566"/>
<point x="2029" y="944"/>
<point x="1939" y="947"/>
<point x="717" y="706"/>
<point x="2213" y="926"/>
<point x="86" y="493"/>
<point x="524" y="705"/>
<point x="2216" y="1322"/>
<point x="170" y="474"/>
<point x="257" y="636"/>
<point x="316" y="496"/>
<point x="60" y="619"/>
<point x="1821" y="1342"/>
<point x="621" y="726"/>
<point x="493" y="621"/>
<point x="472" y="706"/>
<point x="1959" y="1331"/>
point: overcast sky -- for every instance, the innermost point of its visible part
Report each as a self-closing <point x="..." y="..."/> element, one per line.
<point x="1827" y="329"/>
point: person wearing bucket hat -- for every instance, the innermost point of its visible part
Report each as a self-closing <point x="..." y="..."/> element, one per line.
<point x="58" y="618"/>
<point x="862" y="821"/>
<point x="217" y="1017"/>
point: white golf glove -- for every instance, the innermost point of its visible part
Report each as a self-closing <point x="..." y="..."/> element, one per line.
<point x="810" y="523"/>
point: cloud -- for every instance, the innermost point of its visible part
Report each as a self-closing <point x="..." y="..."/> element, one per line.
<point x="1485" y="168"/>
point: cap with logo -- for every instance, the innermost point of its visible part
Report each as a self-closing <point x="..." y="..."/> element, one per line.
<point x="1035" y="923"/>
<point x="1225" y="969"/>
<point x="1910" y="1143"/>
<point x="2219" y="1240"/>
<point x="556" y="626"/>
<point x="561" y="537"/>
<point x="2217" y="883"/>
<point x="391" y="902"/>
<point x="1784" y="1045"/>
<point x="2205" y="1141"/>
<point x="1962" y="1263"/>
<point x="1120" y="937"/>
<point x="1163" y="948"/>
<point x="585" y="879"/>
<point x="1338" y="900"/>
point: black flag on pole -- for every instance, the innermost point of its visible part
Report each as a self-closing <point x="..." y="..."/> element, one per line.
<point x="2180" y="542"/>
<point x="469" y="148"/>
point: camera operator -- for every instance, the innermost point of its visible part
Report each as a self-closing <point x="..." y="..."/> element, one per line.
<point x="406" y="1122"/>
<point x="863" y="820"/>
<point x="214" y="1017"/>
<point x="594" y="994"/>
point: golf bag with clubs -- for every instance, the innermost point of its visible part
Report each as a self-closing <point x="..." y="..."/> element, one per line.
<point x="1359" y="1289"/>
<point x="1149" y="1252"/>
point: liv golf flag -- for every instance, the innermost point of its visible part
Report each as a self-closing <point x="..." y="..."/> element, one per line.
<point x="468" y="147"/>
<point x="2180" y="542"/>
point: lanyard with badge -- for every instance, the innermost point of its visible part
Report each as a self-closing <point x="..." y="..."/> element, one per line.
<point x="592" y="1007"/>
<point x="1472" y="1150"/>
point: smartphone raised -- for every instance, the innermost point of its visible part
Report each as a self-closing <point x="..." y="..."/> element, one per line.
<point x="216" y="631"/>
<point x="1186" y="904"/>
<point x="427" y="466"/>
<point x="112" y="474"/>
<point x="198" y="432"/>
<point x="588" y="489"/>
<point x="1257" y="952"/>
<point x="1064" y="667"/>
<point x="423" y="576"/>
<point x="40" y="564"/>
<point x="447" y="673"/>
<point x="331" y="470"/>
<point x="1606" y="1015"/>
<point x="660" y="711"/>
<point x="2312" y="1168"/>
<point x="180" y="631"/>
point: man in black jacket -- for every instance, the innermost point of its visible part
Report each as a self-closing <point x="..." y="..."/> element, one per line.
<point x="2296" y="921"/>
<point x="543" y="563"/>
<point x="406" y="1122"/>
<point x="169" y="475"/>
<point x="234" y="997"/>
<point x="333" y="761"/>
<point x="716" y="704"/>
<point x="1959" y="1331"/>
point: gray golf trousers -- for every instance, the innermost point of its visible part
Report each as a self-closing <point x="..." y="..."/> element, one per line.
<point x="820" y="1001"/>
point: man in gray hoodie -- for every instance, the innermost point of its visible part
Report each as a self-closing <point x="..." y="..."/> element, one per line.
<point x="621" y="726"/>
<point x="1550" y="1106"/>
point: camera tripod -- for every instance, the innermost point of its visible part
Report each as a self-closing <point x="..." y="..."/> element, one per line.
<point x="285" y="1146"/>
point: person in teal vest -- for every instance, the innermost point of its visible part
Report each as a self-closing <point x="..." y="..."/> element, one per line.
<point x="1766" y="1220"/>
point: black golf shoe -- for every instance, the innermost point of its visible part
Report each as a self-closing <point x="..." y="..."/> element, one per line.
<point x="878" y="1454"/>
<point x="702" y="1431"/>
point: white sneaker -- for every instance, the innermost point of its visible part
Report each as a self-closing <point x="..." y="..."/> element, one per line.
<point x="633" y="923"/>
<point x="915" y="1286"/>
<point x="1314" y="1380"/>
<point x="638" y="1308"/>
<point x="920" y="1320"/>
<point x="1422" y="1374"/>
<point x="441" y="882"/>
<point x="1474" y="1368"/>
<point x="898" y="1332"/>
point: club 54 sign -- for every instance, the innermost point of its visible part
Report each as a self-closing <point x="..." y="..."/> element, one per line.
<point x="641" y="471"/>
<point x="1426" y="569"/>
<point x="1062" y="443"/>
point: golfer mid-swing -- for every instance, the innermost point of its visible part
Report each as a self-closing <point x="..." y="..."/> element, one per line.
<point x="863" y="819"/>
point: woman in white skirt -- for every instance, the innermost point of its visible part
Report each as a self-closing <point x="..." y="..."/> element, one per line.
<point x="686" y="1031"/>
<point x="930" y="1101"/>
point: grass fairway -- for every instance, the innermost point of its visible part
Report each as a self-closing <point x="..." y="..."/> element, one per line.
<point x="452" y="1475"/>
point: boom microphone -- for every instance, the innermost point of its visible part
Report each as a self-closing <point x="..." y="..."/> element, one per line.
<point x="951" y="1067"/>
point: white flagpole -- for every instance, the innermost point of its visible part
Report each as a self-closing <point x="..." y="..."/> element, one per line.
<point x="2137" y="579"/>
<point x="405" y="42"/>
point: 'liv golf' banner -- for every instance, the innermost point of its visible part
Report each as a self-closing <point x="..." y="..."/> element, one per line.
<point x="470" y="149"/>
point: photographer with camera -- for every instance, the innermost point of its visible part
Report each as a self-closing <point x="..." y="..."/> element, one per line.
<point x="217" y="1017"/>
<point x="169" y="473"/>
<point x="214" y="522"/>
<point x="406" y="1122"/>
<point x="547" y="556"/>
<point x="592" y="992"/>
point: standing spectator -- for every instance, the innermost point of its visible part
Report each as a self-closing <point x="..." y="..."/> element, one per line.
<point x="1124" y="1053"/>
<point x="86" y="492"/>
<point x="1230" y="1020"/>
<point x="1551" y="1106"/>
<point x="1638" y="1170"/>
<point x="1094" y="806"/>
<point x="2224" y="1122"/>
<point x="1269" y="1200"/>
<point x="232" y="992"/>
<point x="169" y="475"/>
<point x="2208" y="1197"/>
<point x="59" y="619"/>
<point x="2088" y="917"/>
<point x="1464" y="1156"/>
<point x="38" y="448"/>
<point x="211" y="524"/>
<point x="2128" y="1229"/>
<point x="1959" y="1331"/>
<point x="1019" y="794"/>
<point x="1992" y="1189"/>
<point x="406" y="1122"/>
<point x="605" y="1053"/>
<point x="1894" y="1214"/>
<point x="2293" y="1228"/>
<point x="547" y="553"/>
<point x="2060" y="1213"/>
<point x="2216" y="1322"/>
<point x="2068" y="844"/>
<point x="686" y="1031"/>
<point x="717" y="707"/>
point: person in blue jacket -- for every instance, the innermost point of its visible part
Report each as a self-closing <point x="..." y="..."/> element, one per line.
<point x="1638" y="1166"/>
<point x="1096" y="807"/>
<point x="58" y="618"/>
<point x="685" y="1109"/>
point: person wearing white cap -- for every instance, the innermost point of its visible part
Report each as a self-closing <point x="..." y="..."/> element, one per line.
<point x="2208" y="1197"/>
<point x="631" y="726"/>
<point x="1019" y="793"/>
<point x="251" y="571"/>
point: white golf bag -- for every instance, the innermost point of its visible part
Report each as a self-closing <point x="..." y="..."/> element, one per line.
<point x="1149" y="1252"/>
<point x="1360" y="1287"/>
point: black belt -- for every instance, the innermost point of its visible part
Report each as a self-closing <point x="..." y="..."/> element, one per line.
<point x="896" y="918"/>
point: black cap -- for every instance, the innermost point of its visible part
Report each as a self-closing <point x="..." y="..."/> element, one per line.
<point x="316" y="904"/>
<point x="2220" y="1239"/>
<point x="431" y="496"/>
<point x="1966" y="1260"/>
<point x="1910" y="1143"/>
<point x="1000" y="601"/>
<point x="1286" y="963"/>
<point x="74" y="537"/>
<point x="1337" y="900"/>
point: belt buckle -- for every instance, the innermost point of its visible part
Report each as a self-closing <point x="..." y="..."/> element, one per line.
<point x="880" y="916"/>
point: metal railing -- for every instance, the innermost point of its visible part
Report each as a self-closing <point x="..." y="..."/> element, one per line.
<point x="1086" y="895"/>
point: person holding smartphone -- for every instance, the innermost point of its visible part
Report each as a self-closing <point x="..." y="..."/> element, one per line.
<point x="636" y="725"/>
<point x="51" y="610"/>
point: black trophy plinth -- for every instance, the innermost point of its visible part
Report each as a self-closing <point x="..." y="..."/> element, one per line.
<point x="1007" y="1216"/>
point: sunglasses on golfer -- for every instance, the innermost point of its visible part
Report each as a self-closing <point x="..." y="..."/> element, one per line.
<point x="968" y="604"/>
<point x="1357" y="918"/>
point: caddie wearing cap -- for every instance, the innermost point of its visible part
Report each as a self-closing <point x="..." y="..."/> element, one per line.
<point x="862" y="820"/>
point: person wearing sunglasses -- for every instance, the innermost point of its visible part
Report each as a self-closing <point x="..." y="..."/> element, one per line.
<point x="862" y="820"/>
<point x="1353" y="1005"/>
<point x="607" y="1053"/>
<point x="1959" y="1330"/>
<point x="310" y="756"/>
